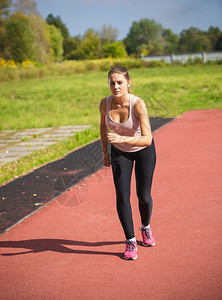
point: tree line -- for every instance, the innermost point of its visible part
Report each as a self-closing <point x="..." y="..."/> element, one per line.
<point x="25" y="35"/>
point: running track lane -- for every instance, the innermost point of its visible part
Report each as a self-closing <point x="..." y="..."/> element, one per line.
<point x="69" y="251"/>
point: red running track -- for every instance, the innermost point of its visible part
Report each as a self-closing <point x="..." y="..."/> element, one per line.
<point x="75" y="252"/>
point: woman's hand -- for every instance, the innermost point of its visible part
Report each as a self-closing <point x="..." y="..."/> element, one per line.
<point x="114" y="137"/>
<point x="106" y="160"/>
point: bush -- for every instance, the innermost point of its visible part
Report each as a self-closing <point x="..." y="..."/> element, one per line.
<point x="154" y="64"/>
<point x="29" y="69"/>
<point x="177" y="63"/>
<point x="9" y="70"/>
<point x="129" y="63"/>
<point x="197" y="61"/>
<point x="194" y="61"/>
<point x="105" y="65"/>
<point x="114" y="50"/>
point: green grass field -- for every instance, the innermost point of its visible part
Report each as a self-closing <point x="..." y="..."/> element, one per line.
<point x="74" y="100"/>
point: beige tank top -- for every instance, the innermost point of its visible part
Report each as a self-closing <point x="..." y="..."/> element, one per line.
<point x="129" y="128"/>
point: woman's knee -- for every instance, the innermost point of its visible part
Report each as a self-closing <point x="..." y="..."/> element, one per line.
<point x="123" y="198"/>
<point x="144" y="198"/>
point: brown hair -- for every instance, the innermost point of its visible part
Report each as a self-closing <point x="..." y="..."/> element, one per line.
<point x="120" y="70"/>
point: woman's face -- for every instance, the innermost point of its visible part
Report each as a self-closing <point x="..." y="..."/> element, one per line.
<point x="119" y="85"/>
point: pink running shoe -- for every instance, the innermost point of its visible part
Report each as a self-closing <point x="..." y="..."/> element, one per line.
<point x="131" y="249"/>
<point x="148" y="240"/>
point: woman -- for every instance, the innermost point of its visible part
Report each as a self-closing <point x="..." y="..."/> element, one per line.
<point x="125" y="124"/>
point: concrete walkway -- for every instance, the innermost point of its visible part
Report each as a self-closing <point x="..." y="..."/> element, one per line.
<point x="17" y="143"/>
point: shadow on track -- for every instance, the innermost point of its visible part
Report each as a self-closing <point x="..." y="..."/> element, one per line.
<point x="56" y="245"/>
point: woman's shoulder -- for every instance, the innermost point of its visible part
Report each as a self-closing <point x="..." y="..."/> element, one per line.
<point x="139" y="107"/>
<point x="137" y="101"/>
<point x="102" y="104"/>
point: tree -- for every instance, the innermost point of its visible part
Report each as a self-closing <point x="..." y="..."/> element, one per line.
<point x="41" y="48"/>
<point x="20" y="38"/>
<point x="145" y="31"/>
<point x="28" y="38"/>
<point x="57" y="22"/>
<point x="26" y="7"/>
<point x="131" y="46"/>
<point x="70" y="45"/>
<point x="108" y="35"/>
<point x="115" y="50"/>
<point x="90" y="47"/>
<point x="214" y="35"/>
<point x="42" y="44"/>
<point x="67" y="42"/>
<point x="170" y="41"/>
<point x="4" y="13"/>
<point x="194" y="40"/>
<point x="155" y="48"/>
<point x="219" y="43"/>
<point x="5" y="6"/>
<point x="143" y="50"/>
<point x="56" y="42"/>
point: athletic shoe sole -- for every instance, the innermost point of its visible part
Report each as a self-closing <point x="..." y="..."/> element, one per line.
<point x="149" y="245"/>
<point x="131" y="258"/>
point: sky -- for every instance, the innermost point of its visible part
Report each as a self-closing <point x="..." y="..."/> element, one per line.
<point x="81" y="15"/>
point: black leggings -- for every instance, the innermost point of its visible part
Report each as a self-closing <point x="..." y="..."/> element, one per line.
<point x="122" y="166"/>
